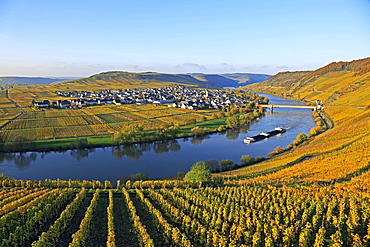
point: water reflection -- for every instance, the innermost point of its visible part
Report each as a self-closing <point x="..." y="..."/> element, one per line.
<point x="232" y="134"/>
<point x="174" y="146"/>
<point x="79" y="154"/>
<point x="135" y="151"/>
<point x="20" y="160"/>
<point x="166" y="146"/>
<point x="5" y="157"/>
<point x="160" y="147"/>
<point x="196" y="140"/>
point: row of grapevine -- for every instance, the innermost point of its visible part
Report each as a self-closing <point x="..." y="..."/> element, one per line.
<point x="94" y="184"/>
<point x="15" y="201"/>
<point x="9" y="113"/>
<point x="141" y="231"/>
<point x="79" y="237"/>
<point x="190" y="225"/>
<point x="10" y="221"/>
<point x="38" y="221"/>
<point x="52" y="236"/>
<point x="174" y="236"/>
<point x="92" y="120"/>
<point x="34" y="123"/>
<point x="11" y="193"/>
<point x="257" y="216"/>
<point x="111" y="235"/>
<point x="224" y="216"/>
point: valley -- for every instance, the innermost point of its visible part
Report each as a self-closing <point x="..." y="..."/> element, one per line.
<point x="313" y="192"/>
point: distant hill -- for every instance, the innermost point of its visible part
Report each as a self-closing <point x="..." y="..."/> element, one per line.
<point x="157" y="79"/>
<point x="336" y="83"/>
<point x="147" y="78"/>
<point x="31" y="80"/>
<point x="246" y="78"/>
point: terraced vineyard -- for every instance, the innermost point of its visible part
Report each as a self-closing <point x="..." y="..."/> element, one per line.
<point x="225" y="216"/>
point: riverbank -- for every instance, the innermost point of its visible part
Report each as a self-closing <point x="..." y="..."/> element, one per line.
<point x="208" y="127"/>
<point x="160" y="158"/>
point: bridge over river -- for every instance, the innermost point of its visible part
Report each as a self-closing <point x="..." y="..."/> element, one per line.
<point x="272" y="106"/>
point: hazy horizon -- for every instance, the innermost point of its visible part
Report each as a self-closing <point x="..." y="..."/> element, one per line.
<point x="80" y="38"/>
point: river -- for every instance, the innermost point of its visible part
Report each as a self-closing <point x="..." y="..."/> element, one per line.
<point x="160" y="159"/>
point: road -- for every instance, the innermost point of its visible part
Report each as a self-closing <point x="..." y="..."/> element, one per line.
<point x="16" y="105"/>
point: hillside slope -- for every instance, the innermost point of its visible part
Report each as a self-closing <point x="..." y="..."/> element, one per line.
<point x="342" y="83"/>
<point x="153" y="79"/>
<point x="340" y="155"/>
<point x="246" y="78"/>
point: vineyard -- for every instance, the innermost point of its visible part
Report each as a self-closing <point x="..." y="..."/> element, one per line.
<point x="92" y="121"/>
<point x="316" y="193"/>
<point x="338" y="156"/>
<point x="344" y="150"/>
<point x="225" y="216"/>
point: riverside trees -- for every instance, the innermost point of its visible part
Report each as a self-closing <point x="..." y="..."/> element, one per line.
<point x="129" y="133"/>
<point x="199" y="172"/>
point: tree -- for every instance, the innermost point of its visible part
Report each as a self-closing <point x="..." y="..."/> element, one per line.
<point x="227" y="165"/>
<point x="167" y="130"/>
<point x="222" y="128"/>
<point x="232" y="122"/>
<point x="180" y="175"/>
<point x="173" y="130"/>
<point x="247" y="160"/>
<point x="234" y="111"/>
<point x="129" y="133"/>
<point x="251" y="105"/>
<point x="246" y="118"/>
<point x="213" y="165"/>
<point x="199" y="172"/>
<point x="197" y="131"/>
<point x="256" y="113"/>
<point x="316" y="130"/>
<point x="301" y="138"/>
<point x="279" y="149"/>
<point x="18" y="143"/>
<point x="79" y="143"/>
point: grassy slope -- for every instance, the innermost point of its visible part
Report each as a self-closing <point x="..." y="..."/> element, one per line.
<point x="338" y="155"/>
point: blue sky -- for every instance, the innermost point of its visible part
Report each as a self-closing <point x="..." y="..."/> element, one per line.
<point x="80" y="38"/>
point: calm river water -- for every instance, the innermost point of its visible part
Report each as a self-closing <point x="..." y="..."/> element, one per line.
<point x="162" y="159"/>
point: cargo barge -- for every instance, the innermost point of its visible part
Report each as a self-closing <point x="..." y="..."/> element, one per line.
<point x="264" y="135"/>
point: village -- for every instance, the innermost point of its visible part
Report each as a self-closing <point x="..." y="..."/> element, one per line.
<point x="177" y="96"/>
